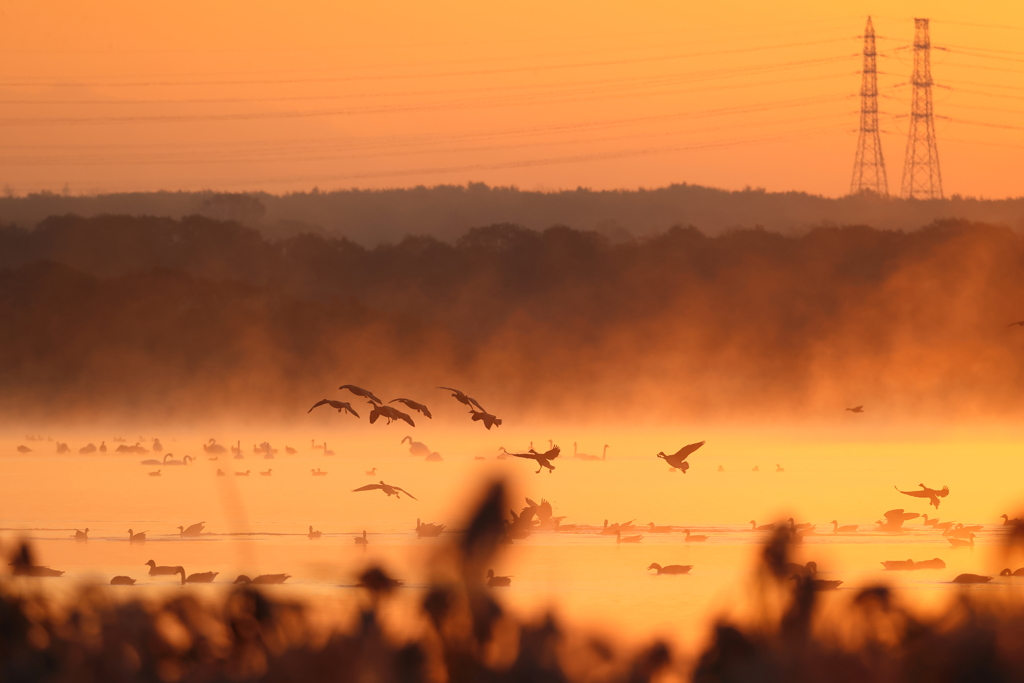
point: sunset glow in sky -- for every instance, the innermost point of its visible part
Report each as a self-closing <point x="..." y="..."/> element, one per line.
<point x="119" y="96"/>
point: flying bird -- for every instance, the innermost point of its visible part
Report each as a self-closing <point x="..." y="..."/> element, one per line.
<point x="414" y="405"/>
<point x="363" y="393"/>
<point x="932" y="495"/>
<point x="1019" y="322"/>
<point x="488" y="419"/>
<point x="856" y="409"/>
<point x="464" y="399"/>
<point x="678" y="459"/>
<point x="340" y="406"/>
<point x="387" y="489"/>
<point x="390" y="414"/>
<point x="543" y="459"/>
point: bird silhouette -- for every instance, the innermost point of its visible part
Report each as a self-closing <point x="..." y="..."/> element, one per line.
<point x="361" y="540"/>
<point x="122" y="581"/>
<point x="220" y="473"/>
<point x="1019" y="322"/>
<point x="390" y="413"/>
<point x="464" y="399"/>
<point x="587" y="456"/>
<point x="778" y="468"/>
<point x="136" y="537"/>
<point x="414" y="405"/>
<point x="313" y="535"/>
<point x="678" y="459"/>
<point x="24" y="449"/>
<point x="424" y="530"/>
<point x="763" y="527"/>
<point x="935" y="563"/>
<point x="961" y="543"/>
<point x="243" y="474"/>
<point x="177" y="463"/>
<point x="372" y="472"/>
<point x="387" y="489"/>
<point x="267" y="473"/>
<point x="1016" y="572"/>
<point x="619" y="538"/>
<point x="543" y="459"/>
<point x="497" y="581"/>
<point x="894" y="520"/>
<point x="289" y="450"/>
<point x="192" y="531"/>
<point x="154" y="461"/>
<point x="318" y="473"/>
<point x="933" y="495"/>
<point x="340" y="406"/>
<point x="263" y="578"/>
<point x="836" y="529"/>
<point x="362" y="393"/>
<point x="856" y="409"/>
<point x="103" y="446"/>
<point x="671" y="569"/>
<point x="81" y="535"/>
<point x="898" y="565"/>
<point x="157" y="570"/>
<point x="199" y="577"/>
<point x="934" y="523"/>
<point x="1007" y="521"/>
<point x="416" y="447"/>
<point x="485" y="417"/>
<point x="155" y="474"/>
<point x="693" y="538"/>
<point x="756" y="469"/>
<point x="86" y="450"/>
<point x="212" y="447"/>
<point x="651" y="529"/>
<point x="971" y="578"/>
<point x="157" y="446"/>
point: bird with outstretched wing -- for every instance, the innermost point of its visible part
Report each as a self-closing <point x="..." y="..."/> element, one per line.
<point x="464" y="399"/>
<point x="677" y="459"/>
<point x="386" y="488"/>
<point x="340" y="406"/>
<point x="359" y="391"/>
<point x="933" y="495"/>
<point x="414" y="405"/>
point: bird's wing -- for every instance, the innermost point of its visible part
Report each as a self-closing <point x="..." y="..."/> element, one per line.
<point x="943" y="492"/>
<point x="315" y="405"/>
<point x="686" y="450"/>
<point x="399" y="488"/>
<point x="349" y="409"/>
<point x="368" y="487"/>
<point x="893" y="515"/>
<point x="915" y="494"/>
<point x="456" y="392"/>
<point x="531" y="503"/>
<point x="476" y="403"/>
<point x="400" y="400"/>
<point x="369" y="395"/>
<point x="528" y="456"/>
<point x="407" y="418"/>
<point x="553" y="453"/>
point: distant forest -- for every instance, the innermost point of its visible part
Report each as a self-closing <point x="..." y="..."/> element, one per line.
<point x="372" y="217"/>
<point x="198" y="316"/>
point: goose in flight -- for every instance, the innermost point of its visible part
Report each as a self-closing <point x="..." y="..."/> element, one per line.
<point x="543" y="459"/>
<point x="263" y="578"/>
<point x="153" y="461"/>
<point x="313" y="535"/>
<point x="213" y="447"/>
<point x="651" y="529"/>
<point x="136" y="537"/>
<point x="389" y="413"/>
<point x="932" y="495"/>
<point x="497" y="581"/>
<point x="587" y="456"/>
<point x="157" y="570"/>
<point x="763" y="527"/>
<point x="1008" y="522"/>
<point x="619" y="538"/>
<point x="971" y="578"/>
<point x="416" y="447"/>
<point x="362" y="393"/>
<point x="848" y="529"/>
<point x="340" y="406"/>
<point x="428" y="530"/>
<point x="81" y="535"/>
<point x="671" y="569"/>
<point x="693" y="538"/>
<point x="961" y="543"/>
<point x="485" y="417"/>
<point x="1017" y="572"/>
<point x="414" y="405"/>
<point x="361" y="540"/>
<point x="387" y="489"/>
<point x="678" y="459"/>
<point x="192" y="531"/>
<point x="856" y="409"/>
<point x="199" y="577"/>
<point x="122" y="581"/>
<point x="464" y="399"/>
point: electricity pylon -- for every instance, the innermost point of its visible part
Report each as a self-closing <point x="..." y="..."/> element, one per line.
<point x="869" y="164"/>
<point x="921" y="176"/>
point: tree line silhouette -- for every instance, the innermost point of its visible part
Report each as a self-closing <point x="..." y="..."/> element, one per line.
<point x="215" y="316"/>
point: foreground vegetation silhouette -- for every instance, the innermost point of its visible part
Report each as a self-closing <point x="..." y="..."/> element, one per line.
<point x="467" y="637"/>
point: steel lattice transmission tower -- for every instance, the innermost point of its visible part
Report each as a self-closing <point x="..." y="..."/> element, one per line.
<point x="869" y="165"/>
<point x="921" y="176"/>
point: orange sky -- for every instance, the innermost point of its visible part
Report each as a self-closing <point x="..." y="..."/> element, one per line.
<point x="117" y="96"/>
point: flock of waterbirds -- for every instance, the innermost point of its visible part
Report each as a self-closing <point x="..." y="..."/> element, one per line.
<point x="533" y="517"/>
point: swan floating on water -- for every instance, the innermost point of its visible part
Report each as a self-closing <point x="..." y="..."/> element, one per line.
<point x="136" y="537"/>
<point x="313" y="534"/>
<point x="81" y="535"/>
<point x="156" y="570"/>
<point x="497" y="581"/>
<point x="122" y="581"/>
<point x="361" y="540"/>
<point x="192" y="531"/>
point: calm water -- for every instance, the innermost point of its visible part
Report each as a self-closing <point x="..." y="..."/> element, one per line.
<point x="257" y="524"/>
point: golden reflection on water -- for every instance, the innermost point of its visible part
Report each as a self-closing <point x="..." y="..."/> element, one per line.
<point x="258" y="524"/>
